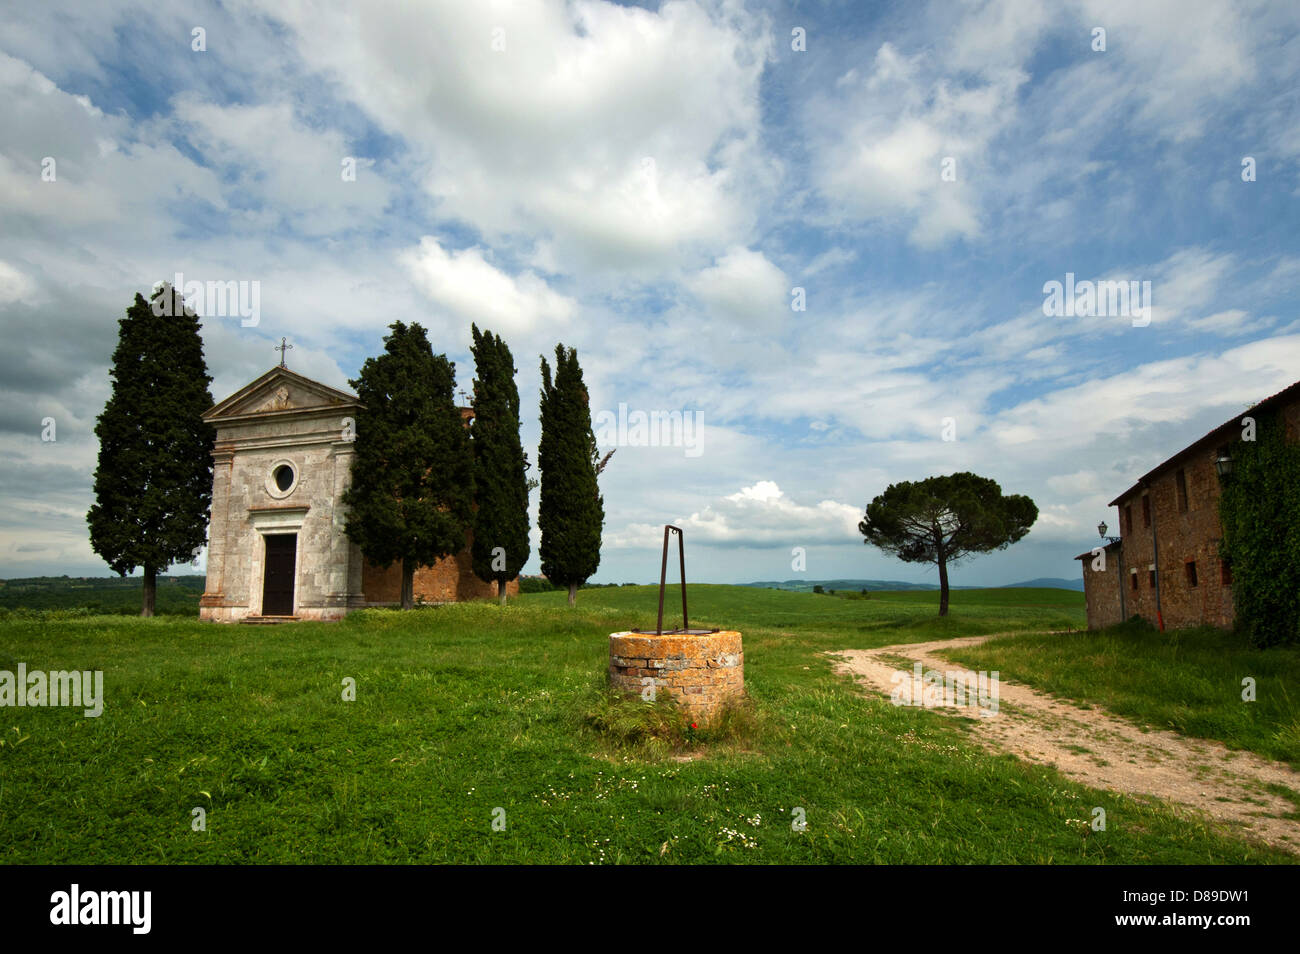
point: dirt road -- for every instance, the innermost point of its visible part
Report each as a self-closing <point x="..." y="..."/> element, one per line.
<point x="1102" y="750"/>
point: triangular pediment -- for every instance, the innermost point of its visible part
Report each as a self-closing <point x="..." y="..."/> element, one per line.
<point x="278" y="391"/>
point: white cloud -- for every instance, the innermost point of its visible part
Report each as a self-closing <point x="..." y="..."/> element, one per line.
<point x="1078" y="483"/>
<point x="1185" y="282"/>
<point x="831" y="258"/>
<point x="284" y="169"/>
<point x="14" y="285"/>
<point x="759" y="515"/>
<point x="888" y="138"/>
<point x="1141" y="407"/>
<point x="1178" y="58"/>
<point x="468" y="285"/>
<point x="1187" y="289"/>
<point x="1033" y="136"/>
<point x="746" y="288"/>
<point x="551" y="135"/>
<point x="1234" y="321"/>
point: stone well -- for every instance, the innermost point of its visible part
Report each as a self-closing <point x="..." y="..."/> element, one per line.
<point x="700" y="672"/>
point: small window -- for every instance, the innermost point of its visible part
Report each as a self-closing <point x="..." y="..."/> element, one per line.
<point x="1190" y="569"/>
<point x="1181" y="479"/>
<point x="284" y="477"/>
<point x="1146" y="510"/>
<point x="1151" y="579"/>
<point x="1128" y="518"/>
<point x="1134" y="577"/>
<point x="1225" y="572"/>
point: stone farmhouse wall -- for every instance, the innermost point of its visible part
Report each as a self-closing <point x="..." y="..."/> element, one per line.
<point x="1194" y="582"/>
<point x="1101" y="589"/>
<point x="1171" y="535"/>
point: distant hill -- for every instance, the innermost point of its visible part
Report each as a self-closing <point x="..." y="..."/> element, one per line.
<point x="176" y="594"/>
<point x="871" y="586"/>
<point x="1047" y="582"/>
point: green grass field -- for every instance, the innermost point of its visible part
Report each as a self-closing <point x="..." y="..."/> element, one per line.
<point x="462" y="710"/>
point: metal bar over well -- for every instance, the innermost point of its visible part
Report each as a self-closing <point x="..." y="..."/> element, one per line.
<point x="686" y="630"/>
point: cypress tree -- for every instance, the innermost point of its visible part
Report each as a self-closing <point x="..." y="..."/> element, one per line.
<point x="412" y="490"/>
<point x="571" y="511"/>
<point x="500" y="547"/>
<point x="153" y="482"/>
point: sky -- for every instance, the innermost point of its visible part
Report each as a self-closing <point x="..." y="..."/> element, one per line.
<point x="823" y="233"/>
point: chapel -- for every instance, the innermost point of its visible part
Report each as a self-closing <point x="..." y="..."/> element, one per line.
<point x="276" y="546"/>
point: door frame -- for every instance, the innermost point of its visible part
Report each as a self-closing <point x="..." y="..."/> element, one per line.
<point x="293" y="606"/>
<point x="266" y="522"/>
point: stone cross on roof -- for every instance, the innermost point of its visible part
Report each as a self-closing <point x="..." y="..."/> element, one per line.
<point x="283" y="349"/>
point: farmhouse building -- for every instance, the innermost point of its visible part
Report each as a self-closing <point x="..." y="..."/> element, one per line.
<point x="1166" y="566"/>
<point x="276" y="546"/>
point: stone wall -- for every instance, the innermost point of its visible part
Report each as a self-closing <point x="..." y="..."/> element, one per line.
<point x="449" y="580"/>
<point x="247" y="505"/>
<point x="1195" y="586"/>
<point x="700" y="673"/>
<point x="284" y="418"/>
<point x="1101" y="589"/>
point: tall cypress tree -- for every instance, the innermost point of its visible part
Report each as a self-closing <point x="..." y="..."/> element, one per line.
<point x="571" y="511"/>
<point x="500" y="467"/>
<point x="153" y="484"/>
<point x="412" y="485"/>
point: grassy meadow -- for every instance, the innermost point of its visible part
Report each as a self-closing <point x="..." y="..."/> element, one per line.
<point x="471" y="713"/>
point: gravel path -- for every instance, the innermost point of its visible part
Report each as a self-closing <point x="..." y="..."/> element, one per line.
<point x="1102" y="750"/>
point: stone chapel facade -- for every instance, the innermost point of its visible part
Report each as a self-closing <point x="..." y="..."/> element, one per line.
<point x="276" y="546"/>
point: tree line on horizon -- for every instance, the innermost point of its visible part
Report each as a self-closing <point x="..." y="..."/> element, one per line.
<point x="422" y="481"/>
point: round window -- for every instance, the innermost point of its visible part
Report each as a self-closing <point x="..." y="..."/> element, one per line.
<point x="283" y="477"/>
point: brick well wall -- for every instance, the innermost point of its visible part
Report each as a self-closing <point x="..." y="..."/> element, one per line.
<point x="700" y="673"/>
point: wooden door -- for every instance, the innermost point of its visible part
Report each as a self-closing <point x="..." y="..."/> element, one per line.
<point x="277" y="575"/>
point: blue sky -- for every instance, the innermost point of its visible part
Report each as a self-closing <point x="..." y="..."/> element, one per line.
<point x="650" y="184"/>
